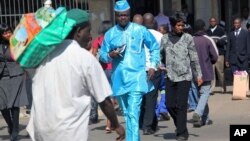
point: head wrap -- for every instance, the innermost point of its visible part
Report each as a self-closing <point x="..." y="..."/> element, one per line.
<point x="80" y="16"/>
<point x="121" y="6"/>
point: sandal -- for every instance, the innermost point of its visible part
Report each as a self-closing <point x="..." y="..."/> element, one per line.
<point x="108" y="130"/>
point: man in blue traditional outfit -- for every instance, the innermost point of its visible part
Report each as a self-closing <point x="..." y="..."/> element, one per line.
<point x="123" y="45"/>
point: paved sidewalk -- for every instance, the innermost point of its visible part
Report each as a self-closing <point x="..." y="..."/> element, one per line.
<point x="223" y="112"/>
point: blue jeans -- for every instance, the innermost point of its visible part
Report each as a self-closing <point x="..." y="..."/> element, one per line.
<point x="131" y="107"/>
<point x="161" y="106"/>
<point x="193" y="96"/>
<point x="202" y="108"/>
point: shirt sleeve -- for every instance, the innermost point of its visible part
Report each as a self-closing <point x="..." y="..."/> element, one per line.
<point x="154" y="48"/>
<point x="97" y="81"/>
<point x="95" y="44"/>
<point x="162" y="50"/>
<point x="213" y="51"/>
<point x="248" y="45"/>
<point x="212" y="44"/>
<point x="105" y="49"/>
<point x="228" y="47"/>
<point x="194" y="60"/>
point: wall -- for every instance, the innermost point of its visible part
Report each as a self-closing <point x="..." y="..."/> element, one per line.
<point x="100" y="10"/>
<point x="176" y="5"/>
<point x="206" y="9"/>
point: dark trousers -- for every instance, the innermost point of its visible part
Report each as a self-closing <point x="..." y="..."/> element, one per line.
<point x="11" y="117"/>
<point x="177" y="102"/>
<point x="148" y="118"/>
<point x="237" y="68"/>
<point x="29" y="74"/>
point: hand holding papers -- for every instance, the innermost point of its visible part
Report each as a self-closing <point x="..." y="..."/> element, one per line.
<point x="120" y="49"/>
<point x="117" y="51"/>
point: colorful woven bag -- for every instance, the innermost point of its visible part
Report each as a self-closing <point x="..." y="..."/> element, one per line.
<point x="54" y="28"/>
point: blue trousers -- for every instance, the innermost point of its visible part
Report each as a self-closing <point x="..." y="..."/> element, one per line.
<point x="131" y="107"/>
<point x="193" y="96"/>
<point x="202" y="108"/>
<point x="161" y="106"/>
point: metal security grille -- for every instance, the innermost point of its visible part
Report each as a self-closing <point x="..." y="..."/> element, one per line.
<point x="12" y="10"/>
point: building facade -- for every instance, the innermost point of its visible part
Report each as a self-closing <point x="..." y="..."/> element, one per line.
<point x="224" y="10"/>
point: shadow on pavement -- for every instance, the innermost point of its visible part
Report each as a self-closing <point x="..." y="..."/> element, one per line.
<point x="169" y="136"/>
<point x="99" y="128"/>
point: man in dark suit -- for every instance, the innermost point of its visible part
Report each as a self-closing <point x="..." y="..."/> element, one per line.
<point x="238" y="48"/>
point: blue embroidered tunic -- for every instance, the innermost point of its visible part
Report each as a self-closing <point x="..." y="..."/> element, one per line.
<point x="129" y="69"/>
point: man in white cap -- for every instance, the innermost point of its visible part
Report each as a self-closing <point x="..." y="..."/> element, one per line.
<point x="123" y="45"/>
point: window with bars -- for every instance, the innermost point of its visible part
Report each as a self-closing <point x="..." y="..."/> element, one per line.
<point x="12" y="10"/>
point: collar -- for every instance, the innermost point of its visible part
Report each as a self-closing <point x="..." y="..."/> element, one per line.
<point x="238" y="30"/>
<point x="126" y="27"/>
<point x="175" y="34"/>
<point x="213" y="28"/>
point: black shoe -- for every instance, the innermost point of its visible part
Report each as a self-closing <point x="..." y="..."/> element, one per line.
<point x="164" y="116"/>
<point x="91" y="121"/>
<point x="14" y="135"/>
<point x="13" y="138"/>
<point x="224" y="89"/>
<point x="9" y="131"/>
<point x="197" y="120"/>
<point x="148" y="131"/>
<point x="209" y="122"/>
<point x="190" y="110"/>
<point x="181" y="138"/>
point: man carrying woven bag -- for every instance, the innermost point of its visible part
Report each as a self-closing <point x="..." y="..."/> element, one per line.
<point x="63" y="85"/>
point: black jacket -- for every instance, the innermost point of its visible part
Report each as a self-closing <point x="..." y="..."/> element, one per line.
<point x="13" y="68"/>
<point x="219" y="37"/>
<point x="238" y="49"/>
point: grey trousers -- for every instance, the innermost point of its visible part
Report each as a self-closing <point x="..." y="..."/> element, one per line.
<point x="219" y="71"/>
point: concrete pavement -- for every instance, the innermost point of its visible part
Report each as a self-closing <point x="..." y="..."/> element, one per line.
<point x="223" y="112"/>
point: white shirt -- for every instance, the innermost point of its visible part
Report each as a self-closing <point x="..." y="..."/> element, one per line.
<point x="158" y="35"/>
<point x="237" y="32"/>
<point x="62" y="88"/>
